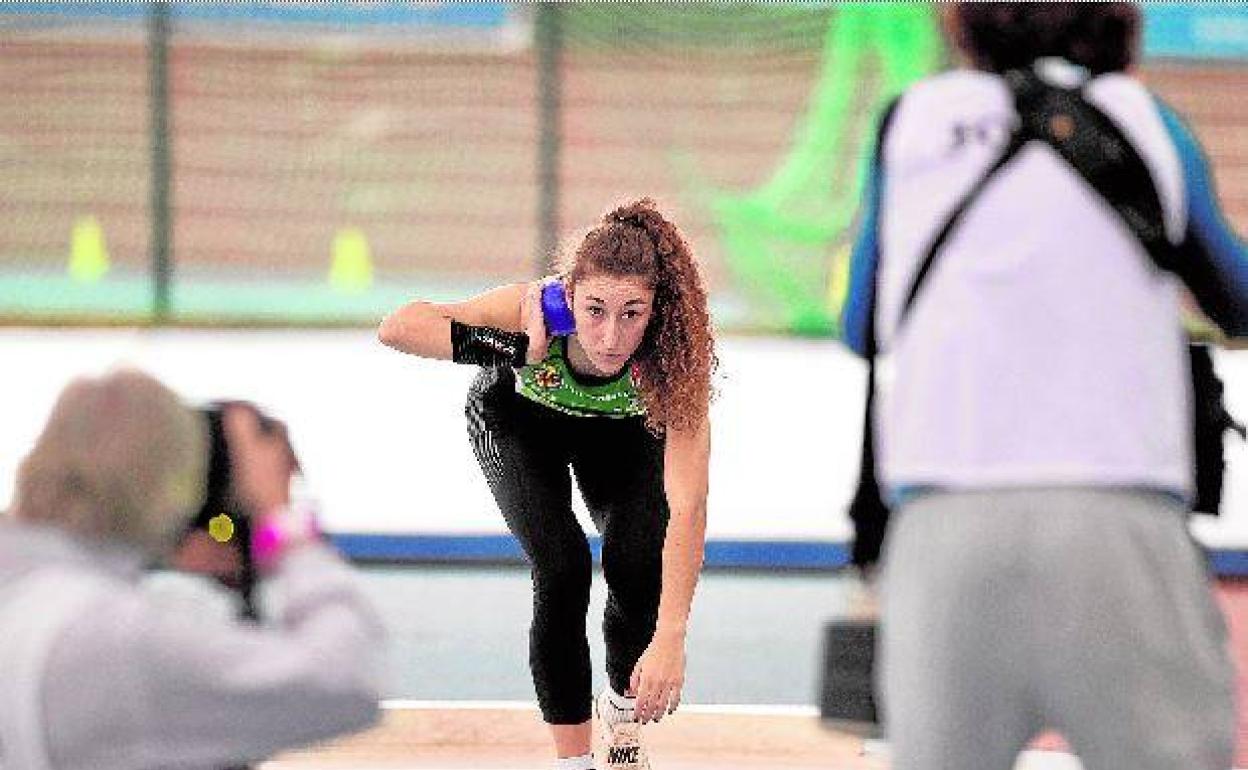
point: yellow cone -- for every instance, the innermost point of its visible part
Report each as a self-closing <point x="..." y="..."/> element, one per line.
<point x="88" y="256"/>
<point x="352" y="268"/>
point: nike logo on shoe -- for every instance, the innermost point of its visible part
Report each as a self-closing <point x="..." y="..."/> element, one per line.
<point x="624" y="756"/>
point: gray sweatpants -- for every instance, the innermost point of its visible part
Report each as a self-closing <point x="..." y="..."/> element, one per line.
<point x="1085" y="611"/>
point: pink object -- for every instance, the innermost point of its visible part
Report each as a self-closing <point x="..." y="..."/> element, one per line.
<point x="276" y="531"/>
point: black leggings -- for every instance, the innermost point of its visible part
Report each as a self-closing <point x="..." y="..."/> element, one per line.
<point x="525" y="450"/>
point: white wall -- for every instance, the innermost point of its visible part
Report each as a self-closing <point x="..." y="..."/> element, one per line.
<point x="383" y="441"/>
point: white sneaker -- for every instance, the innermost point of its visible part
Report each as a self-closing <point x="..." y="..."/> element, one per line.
<point x="607" y="710"/>
<point x="623" y="748"/>
<point x="621" y="736"/>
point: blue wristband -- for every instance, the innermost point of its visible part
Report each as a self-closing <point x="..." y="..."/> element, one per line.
<point x="555" y="310"/>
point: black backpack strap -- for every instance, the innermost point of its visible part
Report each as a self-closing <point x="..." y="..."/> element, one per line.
<point x="868" y="512"/>
<point x="1098" y="150"/>
<point x="1018" y="139"/>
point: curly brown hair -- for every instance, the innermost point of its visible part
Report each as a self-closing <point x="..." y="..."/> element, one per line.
<point x="674" y="364"/>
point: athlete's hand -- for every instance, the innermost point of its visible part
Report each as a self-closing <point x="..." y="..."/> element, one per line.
<point x="659" y="676"/>
<point x="533" y="323"/>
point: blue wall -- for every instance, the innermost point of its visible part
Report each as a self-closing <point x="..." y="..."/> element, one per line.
<point x="1211" y="31"/>
<point x="477" y="16"/>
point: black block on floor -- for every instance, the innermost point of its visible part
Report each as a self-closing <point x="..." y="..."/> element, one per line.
<point x="848" y="694"/>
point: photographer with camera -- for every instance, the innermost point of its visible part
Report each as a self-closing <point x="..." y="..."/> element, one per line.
<point x="99" y="673"/>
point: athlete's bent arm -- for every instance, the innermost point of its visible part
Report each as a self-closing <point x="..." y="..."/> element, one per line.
<point x="424" y="328"/>
<point x="659" y="675"/>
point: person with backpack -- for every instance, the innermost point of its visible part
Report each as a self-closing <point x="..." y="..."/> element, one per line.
<point x="1030" y="224"/>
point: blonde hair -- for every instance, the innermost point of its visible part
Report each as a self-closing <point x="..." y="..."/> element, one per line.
<point x="120" y="458"/>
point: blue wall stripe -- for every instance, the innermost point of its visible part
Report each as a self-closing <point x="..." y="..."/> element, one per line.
<point x="739" y="554"/>
<point x="1229" y="563"/>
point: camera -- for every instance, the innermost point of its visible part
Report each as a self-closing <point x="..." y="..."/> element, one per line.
<point x="223" y="517"/>
<point x="219" y="497"/>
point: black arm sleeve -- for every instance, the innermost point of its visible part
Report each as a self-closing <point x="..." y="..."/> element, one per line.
<point x="487" y="346"/>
